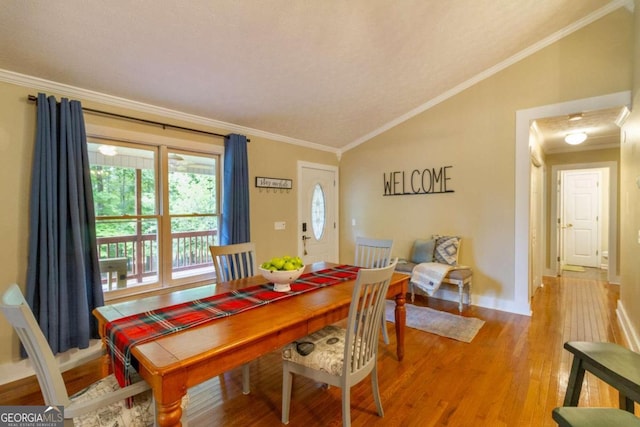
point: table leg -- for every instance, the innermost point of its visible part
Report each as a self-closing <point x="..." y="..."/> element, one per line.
<point x="626" y="403"/>
<point x="574" y="386"/>
<point x="169" y="414"/>
<point x="401" y="319"/>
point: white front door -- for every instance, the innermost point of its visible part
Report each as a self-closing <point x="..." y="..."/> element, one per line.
<point x="581" y="203"/>
<point x="317" y="212"/>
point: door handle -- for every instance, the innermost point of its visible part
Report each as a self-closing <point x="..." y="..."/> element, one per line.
<point x="568" y="226"/>
<point x="305" y="238"/>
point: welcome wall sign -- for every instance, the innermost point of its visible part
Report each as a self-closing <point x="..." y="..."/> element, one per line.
<point x="425" y="181"/>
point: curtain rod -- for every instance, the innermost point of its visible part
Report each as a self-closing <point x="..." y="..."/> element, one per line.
<point x="136" y="119"/>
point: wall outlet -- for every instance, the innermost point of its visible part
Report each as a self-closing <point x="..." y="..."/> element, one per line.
<point x="279" y="225"/>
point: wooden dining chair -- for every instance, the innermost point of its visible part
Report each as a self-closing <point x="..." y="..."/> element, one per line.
<point x="233" y="262"/>
<point x="343" y="357"/>
<point x="374" y="253"/>
<point x="104" y="398"/>
<point x="568" y="416"/>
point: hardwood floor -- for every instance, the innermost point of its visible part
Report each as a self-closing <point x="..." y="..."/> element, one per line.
<point x="513" y="373"/>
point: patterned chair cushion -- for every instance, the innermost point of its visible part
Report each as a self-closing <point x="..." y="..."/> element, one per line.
<point x="116" y="414"/>
<point x="446" y="251"/>
<point x="323" y="350"/>
<point x="141" y="413"/>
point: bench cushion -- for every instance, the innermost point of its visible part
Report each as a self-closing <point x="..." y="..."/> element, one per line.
<point x="458" y="273"/>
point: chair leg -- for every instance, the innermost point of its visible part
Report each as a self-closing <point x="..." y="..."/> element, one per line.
<point x="287" y="380"/>
<point x="460" y="296"/>
<point x="626" y="403"/>
<point x="413" y="294"/>
<point x="346" y="406"/>
<point x="385" y="334"/>
<point x="246" y="389"/>
<point x="376" y="391"/>
<point x="574" y="386"/>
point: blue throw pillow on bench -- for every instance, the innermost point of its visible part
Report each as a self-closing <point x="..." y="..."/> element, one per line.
<point x="423" y="251"/>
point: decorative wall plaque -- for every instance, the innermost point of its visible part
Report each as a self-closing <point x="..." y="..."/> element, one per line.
<point x="425" y="181"/>
<point x="279" y="183"/>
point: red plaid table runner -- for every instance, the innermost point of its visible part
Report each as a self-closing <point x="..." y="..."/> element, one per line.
<point x="122" y="334"/>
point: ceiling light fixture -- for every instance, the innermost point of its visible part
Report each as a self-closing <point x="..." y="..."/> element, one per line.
<point x="107" y="150"/>
<point x="575" y="117"/>
<point x="575" y="138"/>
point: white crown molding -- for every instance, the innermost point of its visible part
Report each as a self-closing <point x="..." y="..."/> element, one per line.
<point x="102" y="98"/>
<point x="569" y="149"/>
<point x="603" y="11"/>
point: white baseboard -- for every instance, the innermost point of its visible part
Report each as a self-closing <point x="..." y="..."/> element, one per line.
<point x="630" y="333"/>
<point x="14" y="371"/>
<point x="449" y="292"/>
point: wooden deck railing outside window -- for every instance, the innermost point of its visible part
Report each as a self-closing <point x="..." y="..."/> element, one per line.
<point x="190" y="252"/>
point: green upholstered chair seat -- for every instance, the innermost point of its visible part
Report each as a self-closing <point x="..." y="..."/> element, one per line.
<point x="594" y="417"/>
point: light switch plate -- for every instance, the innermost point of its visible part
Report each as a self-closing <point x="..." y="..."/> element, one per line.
<point x="280" y="225"/>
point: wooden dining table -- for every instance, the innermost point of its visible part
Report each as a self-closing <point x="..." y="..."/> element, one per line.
<point x="173" y="363"/>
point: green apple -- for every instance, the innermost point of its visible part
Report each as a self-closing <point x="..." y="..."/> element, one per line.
<point x="278" y="263"/>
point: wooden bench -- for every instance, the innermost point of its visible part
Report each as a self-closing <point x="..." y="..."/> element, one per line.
<point x="459" y="276"/>
<point x="612" y="363"/>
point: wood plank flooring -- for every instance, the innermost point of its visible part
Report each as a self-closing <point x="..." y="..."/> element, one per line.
<point x="513" y="373"/>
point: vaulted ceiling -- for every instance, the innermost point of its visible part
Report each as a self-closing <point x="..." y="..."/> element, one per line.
<point x="330" y="72"/>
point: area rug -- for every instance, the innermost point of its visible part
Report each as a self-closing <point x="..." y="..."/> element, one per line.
<point x="438" y="322"/>
<point x="568" y="267"/>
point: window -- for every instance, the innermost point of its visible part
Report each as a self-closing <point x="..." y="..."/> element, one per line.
<point x="317" y="211"/>
<point x="157" y="226"/>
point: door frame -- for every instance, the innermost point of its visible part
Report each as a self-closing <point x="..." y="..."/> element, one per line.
<point x="556" y="170"/>
<point x="329" y="168"/>
<point x="524" y="118"/>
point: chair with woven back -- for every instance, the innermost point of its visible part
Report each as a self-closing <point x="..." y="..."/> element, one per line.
<point x="101" y="400"/>
<point x="232" y="262"/>
<point x="343" y="357"/>
<point x="374" y="253"/>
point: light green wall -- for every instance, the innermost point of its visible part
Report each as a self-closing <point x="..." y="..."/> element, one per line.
<point x="630" y="199"/>
<point x="474" y="132"/>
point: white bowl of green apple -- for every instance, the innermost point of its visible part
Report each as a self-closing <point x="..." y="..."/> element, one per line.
<point x="281" y="271"/>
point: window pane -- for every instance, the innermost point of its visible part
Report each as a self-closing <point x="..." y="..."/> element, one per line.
<point x="191" y="238"/>
<point x="192" y="184"/>
<point x="317" y="212"/>
<point x="119" y="177"/>
<point x="134" y="242"/>
<point x="192" y="207"/>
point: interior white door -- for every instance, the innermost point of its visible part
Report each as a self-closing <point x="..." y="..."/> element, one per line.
<point x="581" y="202"/>
<point x="317" y="212"/>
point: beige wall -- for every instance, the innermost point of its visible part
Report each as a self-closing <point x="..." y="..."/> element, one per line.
<point x="474" y="132"/>
<point x="17" y="133"/>
<point x="629" y="303"/>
